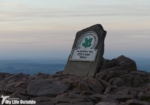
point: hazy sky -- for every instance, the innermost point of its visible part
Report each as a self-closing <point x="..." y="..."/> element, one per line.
<point x="32" y="29"/>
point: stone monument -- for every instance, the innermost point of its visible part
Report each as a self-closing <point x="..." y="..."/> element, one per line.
<point x="87" y="52"/>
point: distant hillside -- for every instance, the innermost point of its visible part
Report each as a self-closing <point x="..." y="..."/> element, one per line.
<point x="51" y="66"/>
<point x="31" y="66"/>
<point x="143" y="63"/>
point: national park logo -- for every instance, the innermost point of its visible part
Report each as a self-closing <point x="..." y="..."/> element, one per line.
<point x="85" y="47"/>
<point x="88" y="40"/>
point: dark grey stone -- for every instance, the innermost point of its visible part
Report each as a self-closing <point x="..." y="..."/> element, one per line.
<point x="43" y="88"/>
<point x="136" y="102"/>
<point x="87" y="68"/>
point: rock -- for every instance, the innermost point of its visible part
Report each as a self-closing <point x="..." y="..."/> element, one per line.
<point x="4" y="75"/>
<point x="83" y="103"/>
<point x="122" y="91"/>
<point x="120" y="97"/>
<point x="41" y="99"/>
<point x="18" y="95"/>
<point x="94" y="85"/>
<point x="78" y="100"/>
<point x="140" y="94"/>
<point x="101" y="75"/>
<point x="107" y="90"/>
<point x="71" y="80"/>
<point x="137" y="81"/>
<point x="61" y="100"/>
<point x="87" y="92"/>
<point x="127" y="78"/>
<point x="148" y="89"/>
<point x="44" y="87"/>
<point x="145" y="97"/>
<point x="133" y="93"/>
<point x="83" y="86"/>
<point x="136" y="102"/>
<point x="140" y="73"/>
<point x="148" y="74"/>
<point x="15" y="89"/>
<point x="107" y="64"/>
<point x="2" y="85"/>
<point x="39" y="76"/>
<point x="15" y="77"/>
<point x="108" y="102"/>
<point x="126" y="63"/>
<point x="22" y="84"/>
<point x="94" y="98"/>
<point x="74" y="84"/>
<point x="45" y="103"/>
<point x="10" y="87"/>
<point x="77" y="103"/>
<point x="120" y="63"/>
<point x="76" y="95"/>
<point x="62" y="95"/>
<point x="59" y="72"/>
<point x="104" y="83"/>
<point x="110" y="76"/>
<point x="117" y="82"/>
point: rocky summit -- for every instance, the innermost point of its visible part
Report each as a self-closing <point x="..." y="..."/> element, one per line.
<point x="118" y="82"/>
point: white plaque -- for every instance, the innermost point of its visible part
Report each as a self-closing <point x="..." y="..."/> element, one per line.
<point x="83" y="55"/>
<point x="85" y="50"/>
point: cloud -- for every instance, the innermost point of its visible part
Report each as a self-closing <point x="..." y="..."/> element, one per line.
<point x="139" y="36"/>
<point x="20" y="40"/>
<point x="93" y="10"/>
<point x="9" y="4"/>
<point x="49" y="38"/>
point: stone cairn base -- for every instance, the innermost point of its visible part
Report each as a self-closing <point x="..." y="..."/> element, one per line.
<point x="118" y="82"/>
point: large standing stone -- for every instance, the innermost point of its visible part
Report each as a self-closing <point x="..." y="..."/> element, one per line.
<point x="87" y="52"/>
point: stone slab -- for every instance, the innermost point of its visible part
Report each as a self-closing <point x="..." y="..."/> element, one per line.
<point x="87" y="52"/>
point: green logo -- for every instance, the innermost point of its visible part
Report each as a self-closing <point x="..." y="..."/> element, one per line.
<point x="87" y="42"/>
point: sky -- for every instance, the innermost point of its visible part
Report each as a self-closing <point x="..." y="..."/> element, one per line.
<point x="46" y="29"/>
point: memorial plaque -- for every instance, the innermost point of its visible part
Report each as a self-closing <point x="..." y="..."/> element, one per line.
<point x="87" y="52"/>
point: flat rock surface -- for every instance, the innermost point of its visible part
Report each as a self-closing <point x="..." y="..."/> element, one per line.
<point x="44" y="87"/>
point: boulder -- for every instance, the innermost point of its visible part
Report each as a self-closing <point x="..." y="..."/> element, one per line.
<point x="44" y="87"/>
<point x="127" y="78"/>
<point x="137" y="81"/>
<point x="94" y="85"/>
<point x="107" y="64"/>
<point x="98" y="96"/>
<point x="83" y="86"/>
<point x="117" y="82"/>
<point x="45" y="103"/>
<point x="140" y="73"/>
<point x="148" y="89"/>
<point x="120" y="63"/>
<point x="18" y="95"/>
<point x="122" y="91"/>
<point x="126" y="63"/>
<point x="121" y="98"/>
<point x="77" y="103"/>
<point x="4" y="75"/>
<point x="16" y="77"/>
<point x="136" y="102"/>
<point x="140" y="94"/>
<point x="108" y="102"/>
<point x="145" y="97"/>
<point x="101" y="75"/>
